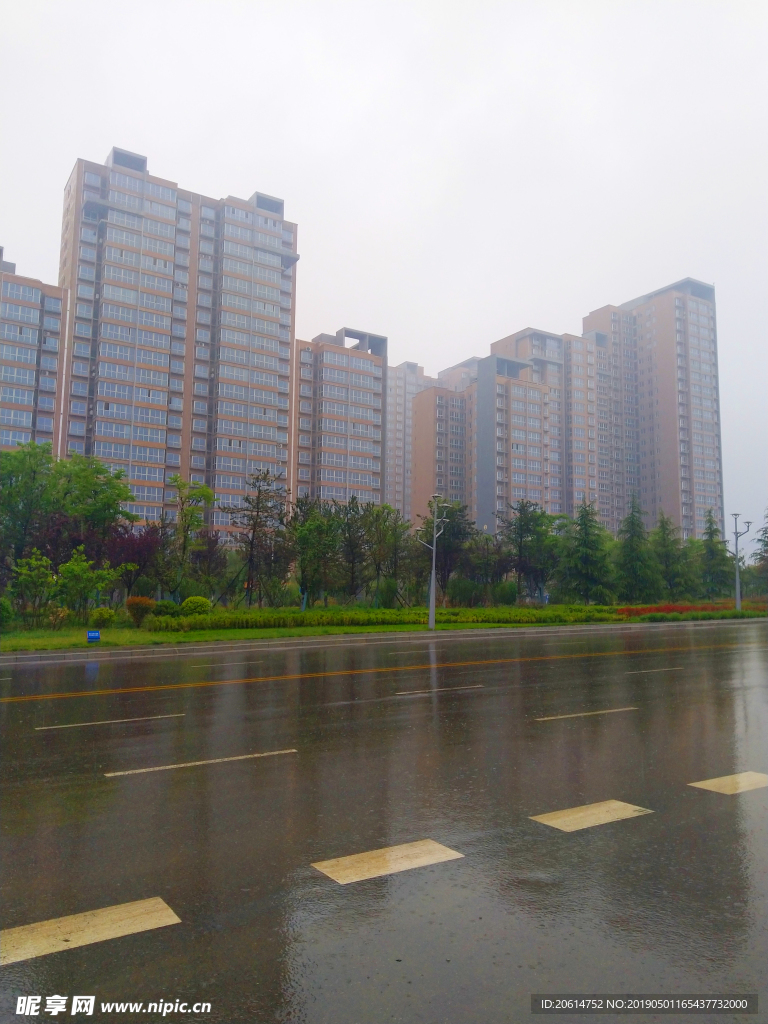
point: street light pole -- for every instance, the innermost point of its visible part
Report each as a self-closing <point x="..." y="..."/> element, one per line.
<point x="736" y="536"/>
<point x="433" y="546"/>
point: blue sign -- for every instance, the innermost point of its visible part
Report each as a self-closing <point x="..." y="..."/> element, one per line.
<point x="93" y="636"/>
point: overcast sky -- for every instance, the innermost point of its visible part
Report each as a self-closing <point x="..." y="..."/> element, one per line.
<point x="458" y="170"/>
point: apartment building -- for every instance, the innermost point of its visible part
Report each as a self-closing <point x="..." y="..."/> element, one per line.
<point x="481" y="437"/>
<point x="403" y="382"/>
<point x="182" y="327"/>
<point x="340" y="416"/>
<point x="658" y="381"/>
<point x="33" y="346"/>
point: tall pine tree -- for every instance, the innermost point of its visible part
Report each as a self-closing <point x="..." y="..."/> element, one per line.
<point x="717" y="569"/>
<point x="585" y="566"/>
<point x="638" y="575"/>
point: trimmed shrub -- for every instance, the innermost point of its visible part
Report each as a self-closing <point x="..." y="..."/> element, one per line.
<point x="166" y="608"/>
<point x="195" y="606"/>
<point x="100" y="618"/>
<point x="138" y="607"/>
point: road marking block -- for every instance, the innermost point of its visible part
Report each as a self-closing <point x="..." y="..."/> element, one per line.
<point x="575" y="818"/>
<point x="742" y="782"/>
<point x="440" y="689"/>
<point x="108" y="721"/>
<point x="193" y="764"/>
<point x="584" y="714"/>
<point x="386" y="861"/>
<point x="33" y="940"/>
<point x="645" y="671"/>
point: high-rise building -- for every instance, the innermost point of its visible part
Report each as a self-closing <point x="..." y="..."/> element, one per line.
<point x="403" y="382"/>
<point x="481" y="437"/>
<point x="340" y="416"/>
<point x="658" y="397"/>
<point x="33" y="347"/>
<point x="182" y="327"/>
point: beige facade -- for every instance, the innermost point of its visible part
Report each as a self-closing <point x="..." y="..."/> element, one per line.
<point x="33" y="348"/>
<point x="182" y="327"/>
<point x="340" y="417"/>
<point x="403" y="382"/>
<point x="661" y="349"/>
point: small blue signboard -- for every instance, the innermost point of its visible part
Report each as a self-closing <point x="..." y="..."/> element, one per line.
<point x="93" y="635"/>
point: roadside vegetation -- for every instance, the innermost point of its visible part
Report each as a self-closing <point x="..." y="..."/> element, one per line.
<point x="70" y="556"/>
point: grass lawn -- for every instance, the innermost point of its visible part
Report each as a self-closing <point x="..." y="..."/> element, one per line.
<point x="75" y="636"/>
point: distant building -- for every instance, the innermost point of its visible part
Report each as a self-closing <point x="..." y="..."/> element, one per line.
<point x="33" y="348"/>
<point x="341" y="416"/>
<point x="182" y="332"/>
<point x="658" y="405"/>
<point x="403" y="382"/>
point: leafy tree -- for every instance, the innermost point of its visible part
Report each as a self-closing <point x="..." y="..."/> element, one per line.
<point x="208" y="561"/>
<point x="314" y="533"/>
<point x="585" y="564"/>
<point x="179" y="536"/>
<point x="89" y="496"/>
<point x="458" y="529"/>
<point x="530" y="535"/>
<point x="487" y="560"/>
<point x="673" y="558"/>
<point x="638" y="575"/>
<point x="264" y="543"/>
<point x="385" y="531"/>
<point x="760" y="558"/>
<point x="34" y="586"/>
<point x="78" y="581"/>
<point x="135" y="552"/>
<point x="353" y="546"/>
<point x="25" y="497"/>
<point x="716" y="564"/>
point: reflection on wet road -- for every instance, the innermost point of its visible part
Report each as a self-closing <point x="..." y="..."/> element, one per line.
<point x="391" y="828"/>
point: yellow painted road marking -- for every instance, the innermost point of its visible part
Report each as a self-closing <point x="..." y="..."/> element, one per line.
<point x="193" y="764"/>
<point x="644" y="671"/>
<point x="731" y="784"/>
<point x="32" y="940"/>
<point x="575" y="818"/>
<point x="107" y="721"/>
<point x="440" y="689"/>
<point x="386" y="861"/>
<point x="584" y="714"/>
<point x="293" y="677"/>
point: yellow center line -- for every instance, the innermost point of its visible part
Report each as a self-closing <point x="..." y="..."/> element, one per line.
<point x="293" y="677"/>
<point x="584" y="714"/>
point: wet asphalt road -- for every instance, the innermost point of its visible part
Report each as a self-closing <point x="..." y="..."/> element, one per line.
<point x="670" y="902"/>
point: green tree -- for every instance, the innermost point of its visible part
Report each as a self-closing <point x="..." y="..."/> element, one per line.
<point x="33" y="586"/>
<point x="760" y="558"/>
<point x="25" y="497"/>
<point x="385" y="531"/>
<point x="458" y="530"/>
<point x="530" y="535"/>
<point x="353" y="547"/>
<point x="265" y="544"/>
<point x="638" y="575"/>
<point x="585" y="563"/>
<point x="673" y="558"/>
<point x="179" y="536"/>
<point x="78" y="582"/>
<point x="314" y="532"/>
<point x="89" y="496"/>
<point x="716" y="563"/>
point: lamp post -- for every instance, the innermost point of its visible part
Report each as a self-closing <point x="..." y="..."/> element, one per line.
<point x="433" y="547"/>
<point x="736" y="536"/>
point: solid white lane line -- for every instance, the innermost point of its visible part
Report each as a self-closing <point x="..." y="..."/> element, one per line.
<point x="584" y="714"/>
<point x="192" y="764"/>
<point x="644" y="671"/>
<point x="440" y="689"/>
<point x="107" y="721"/>
<point x="33" y="940"/>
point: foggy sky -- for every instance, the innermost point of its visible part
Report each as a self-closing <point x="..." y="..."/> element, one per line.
<point x="458" y="171"/>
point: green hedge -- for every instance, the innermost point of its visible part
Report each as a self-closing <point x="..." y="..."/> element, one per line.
<point x="290" y="618"/>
